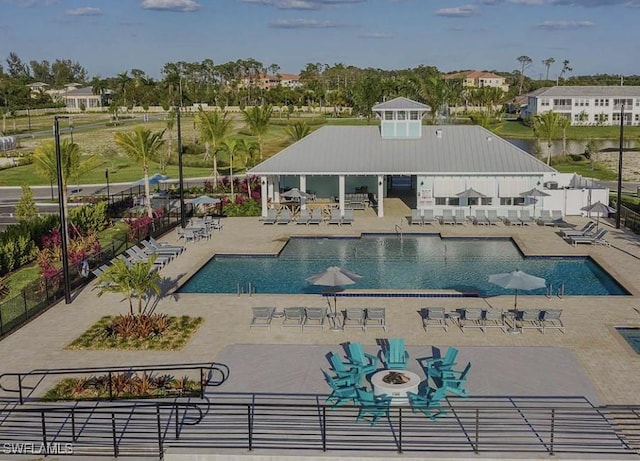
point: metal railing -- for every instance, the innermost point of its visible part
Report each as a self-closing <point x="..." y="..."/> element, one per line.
<point x="207" y="374"/>
<point x="476" y="425"/>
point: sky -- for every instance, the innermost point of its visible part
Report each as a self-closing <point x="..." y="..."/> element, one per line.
<point x="108" y="37"/>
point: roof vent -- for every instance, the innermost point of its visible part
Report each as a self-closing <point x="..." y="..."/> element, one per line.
<point x="438" y="133"/>
<point x="489" y="139"/>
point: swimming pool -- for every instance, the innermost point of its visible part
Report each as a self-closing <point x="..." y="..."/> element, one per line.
<point x="631" y="336"/>
<point x="416" y="262"/>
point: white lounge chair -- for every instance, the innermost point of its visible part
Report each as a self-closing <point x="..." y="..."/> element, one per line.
<point x="375" y="317"/>
<point x="447" y="217"/>
<point x="597" y="239"/>
<point x="416" y="218"/>
<point x="492" y="217"/>
<point x="512" y="218"/>
<point x="525" y="218"/>
<point x="262" y="317"/>
<point x="481" y="218"/>
<point x="427" y="217"/>
<point x="459" y="217"/>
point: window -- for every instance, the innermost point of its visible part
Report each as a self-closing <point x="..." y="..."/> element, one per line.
<point x="414" y="115"/>
<point x="626" y="102"/>
<point x="512" y="201"/>
<point x="486" y="200"/>
<point x="544" y="102"/>
<point x="402" y="115"/>
<point x="441" y="200"/>
<point x="388" y="115"/>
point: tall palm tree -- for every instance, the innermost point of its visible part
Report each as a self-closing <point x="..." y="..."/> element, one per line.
<point x="233" y="151"/>
<point x="214" y="127"/>
<point x="547" y="63"/>
<point x="525" y="61"/>
<point x="565" y="68"/>
<point x="564" y="123"/>
<point x="257" y="119"/>
<point x="546" y="126"/>
<point x="141" y="145"/>
<point x="135" y="280"/>
<point x="435" y="91"/>
<point x="247" y="148"/>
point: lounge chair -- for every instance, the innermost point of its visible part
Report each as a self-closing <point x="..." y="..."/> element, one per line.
<point x="375" y="317"/>
<point x="374" y="406"/>
<point x="342" y="390"/>
<point x="315" y="317"/>
<point x="597" y="239"/>
<point x="149" y="248"/>
<point x="157" y="244"/>
<point x="304" y="217"/>
<point x="354" y="318"/>
<point x="433" y="316"/>
<point x="284" y="217"/>
<point x="316" y="216"/>
<point x="139" y="257"/>
<point x="481" y="218"/>
<point x="262" y="317"/>
<point x="293" y="317"/>
<point x="416" y="218"/>
<point x="551" y="319"/>
<point x="428" y="403"/>
<point x="471" y="318"/>
<point x="493" y="318"/>
<point x="492" y="217"/>
<point x="512" y="218"/>
<point x="447" y="217"/>
<point x="427" y="217"/>
<point x="348" y="217"/>
<point x="586" y="230"/>
<point x="343" y="370"/>
<point x="525" y="218"/>
<point x="459" y="217"/>
<point x="272" y="215"/>
<point x="335" y="218"/>
<point x="557" y="218"/>
<point x="530" y="319"/>
<point x="455" y="383"/>
<point x="395" y="355"/>
<point x="363" y="362"/>
<point x="435" y="366"/>
<point x="545" y="218"/>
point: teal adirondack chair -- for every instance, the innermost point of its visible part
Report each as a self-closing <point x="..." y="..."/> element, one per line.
<point x="342" y="390"/>
<point x="375" y="407"/>
<point x="395" y="356"/>
<point x="435" y="366"/>
<point x="454" y="381"/>
<point x="363" y="362"/>
<point x="428" y="403"/>
<point x="342" y="369"/>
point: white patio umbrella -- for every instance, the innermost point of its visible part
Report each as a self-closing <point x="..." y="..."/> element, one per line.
<point x="294" y="193"/>
<point x="599" y="208"/>
<point x="535" y="193"/>
<point x="205" y="200"/>
<point x="517" y="280"/>
<point x="334" y="277"/>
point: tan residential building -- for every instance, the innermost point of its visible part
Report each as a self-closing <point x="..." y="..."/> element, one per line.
<point x="479" y="79"/>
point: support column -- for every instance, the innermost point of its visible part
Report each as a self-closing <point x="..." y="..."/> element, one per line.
<point x="341" y="186"/>
<point x="380" y="196"/>
<point x="303" y="188"/>
<point x="264" y="194"/>
<point x="276" y="190"/>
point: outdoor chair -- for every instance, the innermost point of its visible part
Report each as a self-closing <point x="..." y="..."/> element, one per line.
<point x="545" y="218"/>
<point x="395" y="355"/>
<point x="530" y="319"/>
<point x="455" y="384"/>
<point x="492" y="217"/>
<point x="342" y="390"/>
<point x="272" y="215"/>
<point x="375" y="317"/>
<point x="525" y="218"/>
<point x="459" y="217"/>
<point x="341" y="370"/>
<point x="293" y="317"/>
<point x="433" y="316"/>
<point x="557" y="218"/>
<point x="284" y="217"/>
<point x="363" y="362"/>
<point x="304" y="217"/>
<point x="435" y="366"/>
<point x="189" y="235"/>
<point x="262" y="317"/>
<point x="145" y="251"/>
<point x="157" y="244"/>
<point x="348" y="217"/>
<point x="152" y="249"/>
<point x="428" y="403"/>
<point x="416" y="218"/>
<point x="447" y="217"/>
<point x="427" y="217"/>
<point x="335" y="218"/>
<point x="585" y="231"/>
<point x="135" y="257"/>
<point x="316" y="216"/>
<point x="551" y="319"/>
<point x="597" y="239"/>
<point x="374" y="406"/>
<point x="512" y="218"/>
<point x="481" y="218"/>
<point x="493" y="318"/>
<point x="315" y="317"/>
<point x="354" y="318"/>
<point x="471" y="318"/>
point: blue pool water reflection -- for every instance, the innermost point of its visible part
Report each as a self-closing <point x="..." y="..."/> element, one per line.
<point x="424" y="262"/>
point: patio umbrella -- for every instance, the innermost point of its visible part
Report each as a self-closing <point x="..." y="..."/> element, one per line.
<point x="517" y="280"/>
<point x="153" y="180"/>
<point x="294" y="193"/>
<point x="470" y="193"/>
<point x="205" y="200"/>
<point x="334" y="277"/>
<point x="534" y="193"/>
<point x="599" y="208"/>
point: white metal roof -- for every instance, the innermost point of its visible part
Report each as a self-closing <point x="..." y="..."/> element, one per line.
<point x="401" y="103"/>
<point x="352" y="150"/>
<point x="590" y="91"/>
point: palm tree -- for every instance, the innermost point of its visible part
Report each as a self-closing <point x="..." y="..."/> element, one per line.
<point x="214" y="127"/>
<point x="233" y="151"/>
<point x="564" y="123"/>
<point x="135" y="280"/>
<point x="297" y="131"/>
<point x="247" y="148"/>
<point x="525" y="61"/>
<point x="546" y="126"/>
<point x="436" y="92"/>
<point x="257" y="119"/>
<point x="141" y="145"/>
<point x="547" y="63"/>
<point x="565" y="68"/>
<point x="170" y="123"/>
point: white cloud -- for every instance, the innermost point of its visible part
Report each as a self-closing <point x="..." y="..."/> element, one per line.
<point x="564" y="25"/>
<point x="171" y="5"/>
<point x="301" y="4"/>
<point x="458" y="11"/>
<point x="85" y="11"/>
<point x="527" y="2"/>
<point x="377" y="35"/>
<point x="303" y="24"/>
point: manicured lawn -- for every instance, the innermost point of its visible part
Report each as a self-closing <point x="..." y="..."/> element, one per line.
<point x="516" y="129"/>
<point x="585" y="169"/>
<point x="177" y="334"/>
<point x="18" y="280"/>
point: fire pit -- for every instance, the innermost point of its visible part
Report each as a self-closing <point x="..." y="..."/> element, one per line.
<point x="395" y="384"/>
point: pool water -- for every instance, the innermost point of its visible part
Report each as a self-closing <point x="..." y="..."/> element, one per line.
<point x="423" y="262"/>
<point x="631" y="336"/>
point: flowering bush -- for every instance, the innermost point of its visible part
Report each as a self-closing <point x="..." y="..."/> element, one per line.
<point x="79" y="248"/>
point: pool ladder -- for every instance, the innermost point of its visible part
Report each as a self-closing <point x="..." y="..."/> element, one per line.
<point x="560" y="291"/>
<point x="251" y="289"/>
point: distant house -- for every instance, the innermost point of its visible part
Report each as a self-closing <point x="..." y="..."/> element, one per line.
<point x="37" y="88"/>
<point x="479" y="79"/>
<point x="84" y="98"/>
<point x="267" y="81"/>
<point x="587" y="105"/>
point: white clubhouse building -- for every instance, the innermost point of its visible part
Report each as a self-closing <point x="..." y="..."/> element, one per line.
<point x="436" y="163"/>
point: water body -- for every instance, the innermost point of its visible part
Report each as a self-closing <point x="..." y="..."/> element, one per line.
<point x="573" y="147"/>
